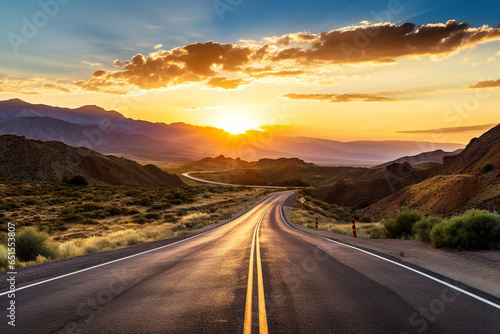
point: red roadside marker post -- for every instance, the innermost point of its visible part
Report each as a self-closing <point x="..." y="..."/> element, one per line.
<point x="354" y="228"/>
<point x="316" y="223"/>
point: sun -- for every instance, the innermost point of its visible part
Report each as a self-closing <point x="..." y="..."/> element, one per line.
<point x="237" y="124"/>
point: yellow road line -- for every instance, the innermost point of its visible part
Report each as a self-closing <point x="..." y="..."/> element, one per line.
<point x="262" y="299"/>
<point x="247" y="325"/>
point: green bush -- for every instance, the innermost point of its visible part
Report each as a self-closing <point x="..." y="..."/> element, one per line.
<point x="422" y="229"/>
<point x="30" y="243"/>
<point x="476" y="229"/>
<point x="365" y="219"/>
<point x="487" y="167"/>
<point x="77" y="180"/>
<point x="377" y="232"/>
<point x="401" y="226"/>
<point x="4" y="257"/>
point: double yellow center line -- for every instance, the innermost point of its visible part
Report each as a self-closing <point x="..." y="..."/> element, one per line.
<point x="247" y="327"/>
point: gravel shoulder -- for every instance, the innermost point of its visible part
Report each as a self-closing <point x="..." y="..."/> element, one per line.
<point x="477" y="269"/>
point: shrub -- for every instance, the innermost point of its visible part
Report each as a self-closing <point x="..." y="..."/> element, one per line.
<point x="487" y="167"/>
<point x="30" y="243"/>
<point x="365" y="219"/>
<point x="476" y="229"/>
<point x="422" y="229"/>
<point x="153" y="216"/>
<point x="88" y="207"/>
<point x="194" y="219"/>
<point x="402" y="224"/>
<point x="113" y="211"/>
<point x="4" y="259"/>
<point x="377" y="232"/>
<point x="77" y="180"/>
<point x="71" y="217"/>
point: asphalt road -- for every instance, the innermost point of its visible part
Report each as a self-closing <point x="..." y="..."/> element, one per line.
<point x="253" y="274"/>
<point x="188" y="175"/>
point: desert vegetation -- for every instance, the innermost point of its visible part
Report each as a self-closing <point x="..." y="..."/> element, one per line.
<point x="475" y="229"/>
<point x="60" y="220"/>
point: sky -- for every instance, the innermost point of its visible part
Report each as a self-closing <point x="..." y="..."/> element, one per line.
<point x="343" y="70"/>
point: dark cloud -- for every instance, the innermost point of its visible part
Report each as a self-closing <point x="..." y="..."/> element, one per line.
<point x="382" y="43"/>
<point x="457" y="129"/>
<point x="336" y="98"/>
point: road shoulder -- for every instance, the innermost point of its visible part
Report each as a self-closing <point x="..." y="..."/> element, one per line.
<point x="477" y="269"/>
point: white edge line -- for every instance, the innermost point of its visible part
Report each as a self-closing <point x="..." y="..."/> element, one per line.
<point x="396" y="263"/>
<point x="127" y="257"/>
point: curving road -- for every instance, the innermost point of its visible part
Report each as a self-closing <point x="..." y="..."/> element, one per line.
<point x="188" y="175"/>
<point x="254" y="274"/>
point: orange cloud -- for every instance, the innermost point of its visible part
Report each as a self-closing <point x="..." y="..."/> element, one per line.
<point x="336" y="98"/>
<point x="457" y="129"/>
<point x="299" y="57"/>
<point x="486" y="84"/>
<point x="224" y="83"/>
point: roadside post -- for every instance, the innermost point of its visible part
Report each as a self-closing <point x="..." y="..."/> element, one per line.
<point x="316" y="223"/>
<point x="354" y="228"/>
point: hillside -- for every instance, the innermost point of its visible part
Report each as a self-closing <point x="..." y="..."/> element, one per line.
<point x="370" y="187"/>
<point x="461" y="183"/>
<point x="166" y="145"/>
<point x="479" y="152"/>
<point x="26" y="159"/>
<point x="422" y="159"/>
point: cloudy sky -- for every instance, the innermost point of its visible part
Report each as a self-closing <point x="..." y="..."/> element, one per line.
<point x="345" y="70"/>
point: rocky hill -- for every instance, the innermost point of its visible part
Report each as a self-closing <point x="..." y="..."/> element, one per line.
<point x="26" y="159"/>
<point x="480" y="152"/>
<point x="468" y="180"/>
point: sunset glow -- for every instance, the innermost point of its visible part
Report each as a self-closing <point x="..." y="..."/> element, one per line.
<point x="396" y="73"/>
<point x="236" y="124"/>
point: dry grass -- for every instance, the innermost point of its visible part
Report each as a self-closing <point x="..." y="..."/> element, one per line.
<point x="330" y="218"/>
<point x="82" y="220"/>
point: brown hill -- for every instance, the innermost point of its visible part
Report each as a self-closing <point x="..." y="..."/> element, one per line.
<point x="468" y="180"/>
<point x="26" y="159"/>
<point x="479" y="152"/>
<point x="369" y="188"/>
<point x="443" y="195"/>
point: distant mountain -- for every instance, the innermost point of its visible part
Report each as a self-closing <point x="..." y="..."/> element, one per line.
<point x="135" y="146"/>
<point x="215" y="164"/>
<point x="26" y="159"/>
<point x="419" y="159"/>
<point x="221" y="163"/>
<point x="109" y="132"/>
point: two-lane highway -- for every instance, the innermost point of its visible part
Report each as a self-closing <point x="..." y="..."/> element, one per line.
<point x="254" y="274"/>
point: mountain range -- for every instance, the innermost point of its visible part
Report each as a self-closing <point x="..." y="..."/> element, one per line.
<point x="166" y="145"/>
